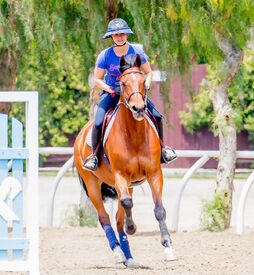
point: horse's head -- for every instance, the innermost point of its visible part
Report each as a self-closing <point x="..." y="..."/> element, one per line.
<point x="132" y="80"/>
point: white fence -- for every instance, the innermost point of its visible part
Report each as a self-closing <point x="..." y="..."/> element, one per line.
<point x="203" y="157"/>
<point x="11" y="187"/>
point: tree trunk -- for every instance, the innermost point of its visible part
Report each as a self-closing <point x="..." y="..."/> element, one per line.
<point x="225" y="124"/>
<point x="8" y="71"/>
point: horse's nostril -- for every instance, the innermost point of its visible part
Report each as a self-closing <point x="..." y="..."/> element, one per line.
<point x="134" y="108"/>
<point x="138" y="110"/>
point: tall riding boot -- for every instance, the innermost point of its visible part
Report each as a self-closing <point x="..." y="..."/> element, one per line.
<point x="91" y="162"/>
<point x="167" y="153"/>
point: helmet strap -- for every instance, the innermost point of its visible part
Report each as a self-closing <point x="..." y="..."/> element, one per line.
<point x="120" y="45"/>
<point x="116" y="45"/>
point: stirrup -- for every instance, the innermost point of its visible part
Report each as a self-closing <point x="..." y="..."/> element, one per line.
<point x="168" y="155"/>
<point x="91" y="162"/>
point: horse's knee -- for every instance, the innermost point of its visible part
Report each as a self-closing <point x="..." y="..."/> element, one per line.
<point x="160" y="213"/>
<point x="127" y="203"/>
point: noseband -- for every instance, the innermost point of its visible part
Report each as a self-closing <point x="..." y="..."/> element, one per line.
<point x="122" y="84"/>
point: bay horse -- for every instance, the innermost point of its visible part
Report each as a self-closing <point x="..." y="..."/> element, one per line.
<point x="132" y="134"/>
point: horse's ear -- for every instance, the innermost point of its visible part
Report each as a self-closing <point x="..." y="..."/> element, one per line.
<point x="138" y="60"/>
<point x="122" y="61"/>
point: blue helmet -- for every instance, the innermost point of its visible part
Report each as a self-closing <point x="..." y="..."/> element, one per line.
<point x="117" y="25"/>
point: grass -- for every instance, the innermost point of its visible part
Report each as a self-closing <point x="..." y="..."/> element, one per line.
<point x="76" y="216"/>
<point x="214" y="213"/>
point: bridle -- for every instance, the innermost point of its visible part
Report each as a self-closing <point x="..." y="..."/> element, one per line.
<point x="122" y="85"/>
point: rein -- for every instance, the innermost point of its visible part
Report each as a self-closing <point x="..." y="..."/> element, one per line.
<point x="122" y="85"/>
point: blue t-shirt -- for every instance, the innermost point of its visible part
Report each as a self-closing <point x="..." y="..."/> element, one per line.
<point x="109" y="61"/>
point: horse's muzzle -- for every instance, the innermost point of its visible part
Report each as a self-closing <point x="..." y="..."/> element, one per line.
<point x="138" y="113"/>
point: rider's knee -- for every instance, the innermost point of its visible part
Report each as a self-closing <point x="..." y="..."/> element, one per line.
<point x="98" y="122"/>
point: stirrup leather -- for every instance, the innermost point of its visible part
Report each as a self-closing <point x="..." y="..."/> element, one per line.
<point x="91" y="162"/>
<point x="168" y="154"/>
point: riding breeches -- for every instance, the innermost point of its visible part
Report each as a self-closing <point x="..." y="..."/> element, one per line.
<point x="108" y="102"/>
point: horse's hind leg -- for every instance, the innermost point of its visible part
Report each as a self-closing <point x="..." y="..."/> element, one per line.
<point x="156" y="184"/>
<point x="94" y="193"/>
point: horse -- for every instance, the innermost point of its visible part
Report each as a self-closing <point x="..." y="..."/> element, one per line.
<point x="133" y="134"/>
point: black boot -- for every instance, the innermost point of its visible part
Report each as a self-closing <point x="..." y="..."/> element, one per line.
<point x="167" y="153"/>
<point x="91" y="162"/>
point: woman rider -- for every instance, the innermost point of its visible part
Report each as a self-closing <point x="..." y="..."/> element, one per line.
<point x="106" y="77"/>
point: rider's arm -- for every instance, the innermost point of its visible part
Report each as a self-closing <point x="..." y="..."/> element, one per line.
<point x="99" y="82"/>
<point x="149" y="74"/>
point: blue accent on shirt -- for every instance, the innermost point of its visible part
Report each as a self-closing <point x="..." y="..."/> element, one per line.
<point x="109" y="61"/>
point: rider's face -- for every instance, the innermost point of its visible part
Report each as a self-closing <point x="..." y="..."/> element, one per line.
<point x="119" y="38"/>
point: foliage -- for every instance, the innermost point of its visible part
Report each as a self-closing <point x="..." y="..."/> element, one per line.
<point x="199" y="112"/>
<point x="75" y="216"/>
<point x="214" y="213"/>
<point x="63" y="94"/>
<point x="175" y="33"/>
<point x="55" y="44"/>
<point x="242" y="94"/>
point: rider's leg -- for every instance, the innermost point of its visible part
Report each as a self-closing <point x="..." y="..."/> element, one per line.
<point x="167" y="153"/>
<point x="106" y="102"/>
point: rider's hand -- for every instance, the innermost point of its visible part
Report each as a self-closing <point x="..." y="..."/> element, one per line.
<point x="147" y="85"/>
<point x="111" y="92"/>
<point x="117" y="90"/>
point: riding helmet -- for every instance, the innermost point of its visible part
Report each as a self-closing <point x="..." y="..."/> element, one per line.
<point x="117" y="25"/>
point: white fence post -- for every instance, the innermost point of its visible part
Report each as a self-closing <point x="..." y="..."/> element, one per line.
<point x="241" y="204"/>
<point x="198" y="164"/>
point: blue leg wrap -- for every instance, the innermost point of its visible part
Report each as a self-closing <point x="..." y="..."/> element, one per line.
<point x="124" y="244"/>
<point x="110" y="236"/>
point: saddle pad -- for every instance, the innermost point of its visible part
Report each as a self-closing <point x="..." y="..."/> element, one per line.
<point x="89" y="137"/>
<point x="109" y="126"/>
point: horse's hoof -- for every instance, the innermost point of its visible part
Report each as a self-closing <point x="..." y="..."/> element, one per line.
<point x="130" y="263"/>
<point x="131" y="229"/>
<point x="169" y="254"/>
<point x="119" y="255"/>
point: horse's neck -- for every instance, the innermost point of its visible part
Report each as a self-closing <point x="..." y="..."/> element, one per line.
<point x="131" y="126"/>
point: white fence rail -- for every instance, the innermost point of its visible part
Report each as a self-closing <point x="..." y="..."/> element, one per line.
<point x="203" y="156"/>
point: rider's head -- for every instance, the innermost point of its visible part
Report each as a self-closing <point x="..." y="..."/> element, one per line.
<point x="118" y="30"/>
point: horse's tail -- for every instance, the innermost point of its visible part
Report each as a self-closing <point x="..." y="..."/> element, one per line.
<point x="106" y="190"/>
<point x="82" y="183"/>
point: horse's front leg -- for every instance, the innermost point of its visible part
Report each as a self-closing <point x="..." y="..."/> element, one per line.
<point x="156" y="185"/>
<point x="130" y="226"/>
<point x="124" y="209"/>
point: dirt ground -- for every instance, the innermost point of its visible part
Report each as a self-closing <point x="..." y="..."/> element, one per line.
<point x="85" y="251"/>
